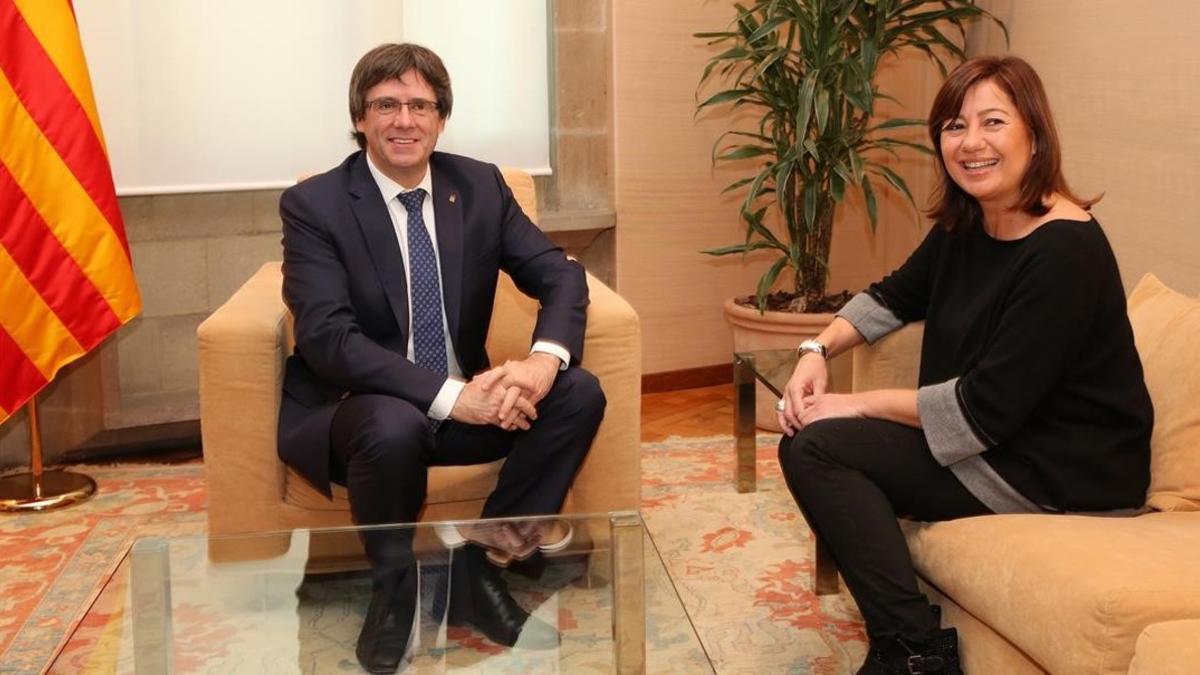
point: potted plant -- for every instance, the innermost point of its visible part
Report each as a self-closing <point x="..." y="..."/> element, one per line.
<point x="807" y="68"/>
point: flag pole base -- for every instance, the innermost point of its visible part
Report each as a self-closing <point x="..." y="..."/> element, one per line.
<point x="19" y="493"/>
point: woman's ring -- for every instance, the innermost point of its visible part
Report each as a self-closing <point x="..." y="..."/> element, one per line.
<point x="781" y="406"/>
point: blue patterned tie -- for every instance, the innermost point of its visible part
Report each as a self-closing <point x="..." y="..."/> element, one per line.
<point x="429" y="338"/>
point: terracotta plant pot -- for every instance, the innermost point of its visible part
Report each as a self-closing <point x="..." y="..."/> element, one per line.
<point x="753" y="331"/>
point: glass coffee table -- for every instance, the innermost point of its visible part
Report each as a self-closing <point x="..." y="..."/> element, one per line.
<point x="772" y="368"/>
<point x="257" y="604"/>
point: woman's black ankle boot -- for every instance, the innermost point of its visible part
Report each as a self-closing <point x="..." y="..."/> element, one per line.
<point x="936" y="654"/>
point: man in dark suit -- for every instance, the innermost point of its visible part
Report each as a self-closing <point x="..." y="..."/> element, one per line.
<point x="390" y="271"/>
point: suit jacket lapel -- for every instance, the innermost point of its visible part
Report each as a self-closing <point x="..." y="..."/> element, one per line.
<point x="376" y="225"/>
<point x="447" y="213"/>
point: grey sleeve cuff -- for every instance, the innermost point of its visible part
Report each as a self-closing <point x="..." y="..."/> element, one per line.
<point x="871" y="319"/>
<point x="950" y="438"/>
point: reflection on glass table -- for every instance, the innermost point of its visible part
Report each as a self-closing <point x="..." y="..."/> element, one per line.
<point x="189" y="604"/>
<point x="771" y="368"/>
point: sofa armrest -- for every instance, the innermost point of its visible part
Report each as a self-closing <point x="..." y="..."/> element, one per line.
<point x="1167" y="648"/>
<point x="891" y="363"/>
<point x="242" y="348"/>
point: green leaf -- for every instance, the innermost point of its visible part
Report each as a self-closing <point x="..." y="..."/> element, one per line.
<point x="840" y="169"/>
<point x="896" y="180"/>
<point x="783" y="171"/>
<point x="886" y="142"/>
<point x="768" y="280"/>
<point x="738" y="248"/>
<point x="822" y="108"/>
<point x="766" y="29"/>
<point x="805" y="104"/>
<point x="726" y="96"/>
<point x="810" y="205"/>
<point x="737" y="184"/>
<point x="837" y="187"/>
<point x="856" y="166"/>
<point x="898" y="122"/>
<point x="743" y="152"/>
<point x="857" y="100"/>
<point x="872" y="209"/>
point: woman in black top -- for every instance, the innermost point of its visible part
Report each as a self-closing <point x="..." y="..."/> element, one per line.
<point x="1031" y="397"/>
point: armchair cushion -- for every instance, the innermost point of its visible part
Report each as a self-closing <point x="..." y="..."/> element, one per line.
<point x="1165" y="326"/>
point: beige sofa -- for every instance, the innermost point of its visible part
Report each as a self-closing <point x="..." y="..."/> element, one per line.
<point x="1079" y="594"/>
<point x="244" y="343"/>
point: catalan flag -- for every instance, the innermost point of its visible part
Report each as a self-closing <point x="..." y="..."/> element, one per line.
<point x="66" y="279"/>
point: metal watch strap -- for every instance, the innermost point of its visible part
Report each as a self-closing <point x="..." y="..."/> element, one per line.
<point x="813" y="346"/>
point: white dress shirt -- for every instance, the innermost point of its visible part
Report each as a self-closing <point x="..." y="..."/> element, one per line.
<point x="443" y="403"/>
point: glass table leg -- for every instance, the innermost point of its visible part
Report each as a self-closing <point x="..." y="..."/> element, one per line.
<point x="150" y="581"/>
<point x="629" y="592"/>
<point x="745" y="473"/>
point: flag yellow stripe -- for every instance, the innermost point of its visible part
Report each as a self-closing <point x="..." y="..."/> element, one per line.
<point x="31" y="322"/>
<point x="70" y="213"/>
<point x="53" y="24"/>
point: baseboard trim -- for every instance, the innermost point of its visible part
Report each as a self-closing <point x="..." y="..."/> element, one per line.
<point x="688" y="378"/>
<point x="169" y="441"/>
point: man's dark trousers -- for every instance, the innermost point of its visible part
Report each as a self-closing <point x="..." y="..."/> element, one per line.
<point x="382" y="447"/>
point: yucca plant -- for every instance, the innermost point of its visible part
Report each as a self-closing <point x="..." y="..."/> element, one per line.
<point x="808" y="66"/>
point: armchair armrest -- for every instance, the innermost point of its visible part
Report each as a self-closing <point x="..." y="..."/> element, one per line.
<point x="242" y="348"/>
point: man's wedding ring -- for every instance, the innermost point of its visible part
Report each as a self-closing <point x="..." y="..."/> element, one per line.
<point x="780" y="406"/>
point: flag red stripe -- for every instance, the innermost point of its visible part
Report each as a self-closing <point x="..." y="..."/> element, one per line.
<point x="21" y="379"/>
<point x="57" y="112"/>
<point x="51" y="269"/>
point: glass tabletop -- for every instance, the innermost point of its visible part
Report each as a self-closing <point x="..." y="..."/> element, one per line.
<point x="772" y="367"/>
<point x="267" y="604"/>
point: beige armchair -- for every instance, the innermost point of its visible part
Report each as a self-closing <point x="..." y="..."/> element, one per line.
<point x="243" y="346"/>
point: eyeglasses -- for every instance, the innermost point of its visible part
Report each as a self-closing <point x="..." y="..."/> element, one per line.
<point x="417" y="107"/>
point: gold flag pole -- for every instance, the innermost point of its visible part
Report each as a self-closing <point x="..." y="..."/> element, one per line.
<point x="39" y="490"/>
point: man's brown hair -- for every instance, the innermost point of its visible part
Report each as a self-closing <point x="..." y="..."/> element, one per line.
<point x="389" y="62"/>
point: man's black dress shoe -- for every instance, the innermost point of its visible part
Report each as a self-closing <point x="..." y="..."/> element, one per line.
<point x="479" y="597"/>
<point x="389" y="621"/>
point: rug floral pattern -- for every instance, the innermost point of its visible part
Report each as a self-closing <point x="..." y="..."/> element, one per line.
<point x="740" y="563"/>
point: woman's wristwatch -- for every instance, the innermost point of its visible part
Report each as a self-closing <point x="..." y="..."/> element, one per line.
<point x="813" y="346"/>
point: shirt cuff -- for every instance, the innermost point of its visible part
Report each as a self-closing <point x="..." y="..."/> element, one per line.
<point x="449" y="535"/>
<point x="951" y="439"/>
<point x="554" y="349"/>
<point x="871" y="319"/>
<point x="444" y="402"/>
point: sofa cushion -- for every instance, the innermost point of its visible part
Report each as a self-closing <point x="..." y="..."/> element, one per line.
<point x="1165" y="326"/>
<point x="1168" y="648"/>
<point x="1072" y="592"/>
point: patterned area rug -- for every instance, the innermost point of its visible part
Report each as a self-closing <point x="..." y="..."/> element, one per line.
<point x="55" y="563"/>
<point x="741" y="564"/>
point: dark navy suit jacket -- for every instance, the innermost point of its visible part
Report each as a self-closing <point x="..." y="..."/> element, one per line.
<point x="344" y="282"/>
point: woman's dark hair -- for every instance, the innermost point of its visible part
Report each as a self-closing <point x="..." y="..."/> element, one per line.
<point x="389" y="62"/>
<point x="952" y="206"/>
